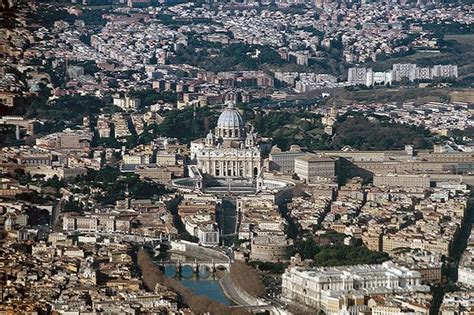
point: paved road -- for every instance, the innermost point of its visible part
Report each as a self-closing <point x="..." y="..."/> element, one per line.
<point x="55" y="226"/>
<point x="230" y="291"/>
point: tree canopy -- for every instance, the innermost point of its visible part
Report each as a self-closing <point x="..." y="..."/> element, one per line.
<point x="149" y="97"/>
<point x="305" y="129"/>
<point x="185" y="125"/>
<point x="338" y="255"/>
<point x="362" y="134"/>
<point x="114" y="185"/>
<point x="236" y="56"/>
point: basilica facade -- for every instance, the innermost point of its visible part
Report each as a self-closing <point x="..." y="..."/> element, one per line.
<point x="230" y="151"/>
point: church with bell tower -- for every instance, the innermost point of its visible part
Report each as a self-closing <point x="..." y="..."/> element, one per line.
<point x="231" y="151"/>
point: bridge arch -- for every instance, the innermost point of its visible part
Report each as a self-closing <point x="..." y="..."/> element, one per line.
<point x="169" y="270"/>
<point x="187" y="271"/>
<point x="204" y="271"/>
<point x="222" y="267"/>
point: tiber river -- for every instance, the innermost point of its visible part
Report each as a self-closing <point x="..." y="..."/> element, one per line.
<point x="205" y="284"/>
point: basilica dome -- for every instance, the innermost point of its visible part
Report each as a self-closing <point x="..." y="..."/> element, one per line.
<point x="230" y="118"/>
<point x="230" y="124"/>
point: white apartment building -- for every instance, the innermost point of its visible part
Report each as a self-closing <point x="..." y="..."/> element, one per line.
<point x="359" y="76"/>
<point x="126" y="103"/>
<point x="412" y="72"/>
<point x="445" y="71"/>
<point x="367" y="77"/>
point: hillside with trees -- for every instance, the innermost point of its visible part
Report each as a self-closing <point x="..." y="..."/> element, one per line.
<point x="364" y="134"/>
<point x="302" y="128"/>
<point x="238" y="56"/>
<point x="360" y="132"/>
<point x="65" y="111"/>
<point x="187" y="124"/>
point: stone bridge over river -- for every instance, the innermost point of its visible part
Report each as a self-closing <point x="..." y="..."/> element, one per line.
<point x="201" y="260"/>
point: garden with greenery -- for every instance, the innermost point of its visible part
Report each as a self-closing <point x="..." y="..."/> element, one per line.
<point x="114" y="185"/>
<point x="305" y="129"/>
<point x="337" y="254"/>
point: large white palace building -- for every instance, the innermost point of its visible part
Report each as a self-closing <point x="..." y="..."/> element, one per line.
<point x="341" y="290"/>
<point x="231" y="151"/>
